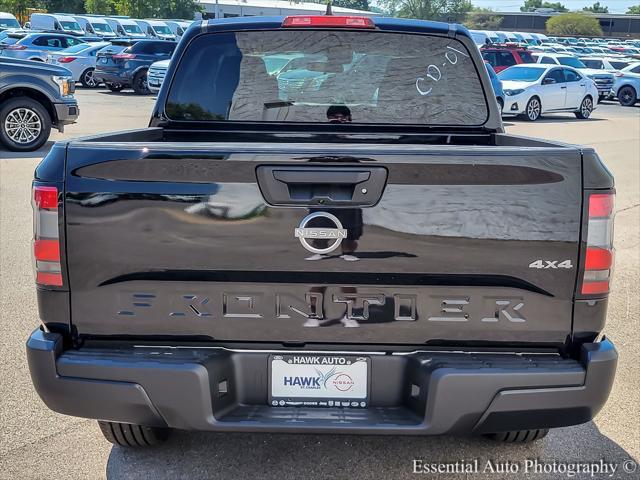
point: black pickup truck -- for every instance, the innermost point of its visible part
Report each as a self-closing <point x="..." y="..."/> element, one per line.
<point x="323" y="229"/>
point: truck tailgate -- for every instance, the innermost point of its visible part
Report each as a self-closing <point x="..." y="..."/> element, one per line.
<point x="448" y="244"/>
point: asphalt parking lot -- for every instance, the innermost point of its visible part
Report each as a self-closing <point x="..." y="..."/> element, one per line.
<point x="37" y="443"/>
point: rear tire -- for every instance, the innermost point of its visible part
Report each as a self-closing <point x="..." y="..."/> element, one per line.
<point x="140" y="85"/>
<point x="114" y="87"/>
<point x="128" y="435"/>
<point x="586" y="107"/>
<point x="87" y="79"/>
<point x="519" y="436"/>
<point x="627" y="96"/>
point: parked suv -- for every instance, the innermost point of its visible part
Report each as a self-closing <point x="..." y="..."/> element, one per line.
<point x="627" y="86"/>
<point x="128" y="69"/>
<point x="33" y="98"/>
<point x="36" y="46"/>
<point x="156" y="74"/>
<point x="501" y="57"/>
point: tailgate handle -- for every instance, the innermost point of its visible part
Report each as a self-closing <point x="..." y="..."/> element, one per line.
<point x="319" y="177"/>
<point x="313" y="186"/>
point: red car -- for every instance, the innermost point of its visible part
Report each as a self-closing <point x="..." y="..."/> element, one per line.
<point x="501" y="57"/>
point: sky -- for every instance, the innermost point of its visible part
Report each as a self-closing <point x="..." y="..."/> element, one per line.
<point x="615" y="6"/>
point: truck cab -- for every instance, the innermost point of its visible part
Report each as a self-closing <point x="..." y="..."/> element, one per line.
<point x="125" y="27"/>
<point x="156" y="29"/>
<point x="8" y="22"/>
<point x="96" y="26"/>
<point x="50" y="22"/>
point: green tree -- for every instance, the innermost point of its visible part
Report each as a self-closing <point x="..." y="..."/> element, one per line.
<point x="356" y="4"/>
<point x="483" y="19"/>
<point x="157" y="8"/>
<point x="19" y="7"/>
<point x="101" y="7"/>
<point x="574" y="24"/>
<point x="531" y="5"/>
<point x="596" y="8"/>
<point x="455" y="10"/>
<point x="181" y="8"/>
<point x="64" y="6"/>
<point x="138" y="8"/>
<point x="634" y="10"/>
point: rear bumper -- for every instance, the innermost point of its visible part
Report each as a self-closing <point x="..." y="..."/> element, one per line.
<point x="122" y="78"/>
<point x="419" y="393"/>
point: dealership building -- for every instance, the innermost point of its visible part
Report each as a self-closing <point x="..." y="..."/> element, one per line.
<point x="250" y="8"/>
<point x="612" y="25"/>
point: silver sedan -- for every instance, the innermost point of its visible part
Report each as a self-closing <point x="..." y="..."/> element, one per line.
<point x="80" y="60"/>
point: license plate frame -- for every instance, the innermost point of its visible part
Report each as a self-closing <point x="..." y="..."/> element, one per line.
<point x="319" y="380"/>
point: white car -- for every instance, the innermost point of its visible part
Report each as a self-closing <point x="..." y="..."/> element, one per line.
<point x="532" y="90"/>
<point x="80" y="60"/>
<point x="602" y="79"/>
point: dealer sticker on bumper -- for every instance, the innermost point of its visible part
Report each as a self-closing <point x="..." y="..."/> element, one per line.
<point x="319" y="381"/>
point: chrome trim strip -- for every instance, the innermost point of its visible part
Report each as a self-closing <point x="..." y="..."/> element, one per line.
<point x="487" y="352"/>
<point x="340" y="352"/>
<point x="249" y="350"/>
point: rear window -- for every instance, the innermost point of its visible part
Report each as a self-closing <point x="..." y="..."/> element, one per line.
<point x="526" y="57"/>
<point x="571" y="62"/>
<point x="308" y="76"/>
<point x="618" y="65"/>
<point x="596" y="64"/>
<point x="523" y="74"/>
<point x="77" y="48"/>
<point x="153" y="48"/>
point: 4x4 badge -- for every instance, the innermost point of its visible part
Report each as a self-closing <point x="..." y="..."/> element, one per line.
<point x="335" y="234"/>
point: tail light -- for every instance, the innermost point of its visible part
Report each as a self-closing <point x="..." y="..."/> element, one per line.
<point x="331" y="21"/>
<point x="16" y="47"/>
<point x="598" y="264"/>
<point x="46" y="243"/>
<point x="124" y="56"/>
<point x="66" y="59"/>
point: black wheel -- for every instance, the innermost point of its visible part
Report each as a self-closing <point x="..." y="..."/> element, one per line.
<point x="500" y="105"/>
<point x="519" y="436"/>
<point x="533" y="110"/>
<point x="87" y="79"/>
<point x="140" y="85"/>
<point x="24" y="124"/>
<point x="627" y="96"/>
<point x="127" y="435"/>
<point x="114" y="87"/>
<point x="586" y="107"/>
